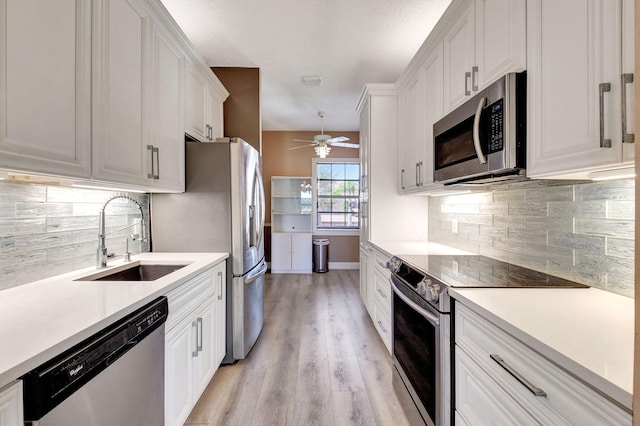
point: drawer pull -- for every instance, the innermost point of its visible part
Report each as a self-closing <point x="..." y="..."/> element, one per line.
<point x="533" y="389"/>
<point x="382" y="293"/>
<point x="384" y="330"/>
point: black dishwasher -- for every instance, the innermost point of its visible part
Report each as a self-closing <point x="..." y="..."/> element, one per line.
<point x="114" y="377"/>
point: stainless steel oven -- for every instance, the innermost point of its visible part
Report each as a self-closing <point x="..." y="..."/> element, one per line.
<point x="421" y="346"/>
<point x="422" y="336"/>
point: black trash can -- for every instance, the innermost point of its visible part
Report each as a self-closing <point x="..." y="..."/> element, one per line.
<point x="320" y="255"/>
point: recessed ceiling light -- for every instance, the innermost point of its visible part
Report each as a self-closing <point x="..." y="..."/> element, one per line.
<point x="312" y="80"/>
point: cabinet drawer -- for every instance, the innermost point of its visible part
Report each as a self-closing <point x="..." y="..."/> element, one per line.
<point x="383" y="291"/>
<point x="566" y="397"/>
<point x="480" y="401"/>
<point x="184" y="299"/>
<point x="382" y="322"/>
<point x="381" y="264"/>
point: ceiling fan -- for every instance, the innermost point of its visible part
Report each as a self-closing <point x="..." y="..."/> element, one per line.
<point x="322" y="143"/>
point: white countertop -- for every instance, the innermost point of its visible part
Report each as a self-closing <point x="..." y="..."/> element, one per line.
<point x="42" y="319"/>
<point x="588" y="332"/>
<point x="415" y="248"/>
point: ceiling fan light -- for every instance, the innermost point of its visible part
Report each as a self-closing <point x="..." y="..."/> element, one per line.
<point x="322" y="150"/>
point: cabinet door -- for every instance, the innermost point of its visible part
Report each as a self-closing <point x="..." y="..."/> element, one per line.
<point x="280" y="252"/>
<point x="11" y="410"/>
<point x="167" y="123"/>
<point x="628" y="70"/>
<point x="221" y="314"/>
<point x="121" y="57"/>
<point x="459" y="55"/>
<point x="365" y="135"/>
<point x="196" y="103"/>
<point x="215" y="114"/>
<point x="205" y="341"/>
<point x="364" y="259"/>
<point x="45" y="86"/>
<point x="411" y="119"/>
<point x="433" y="77"/>
<point x="574" y="49"/>
<point x="178" y="376"/>
<point x="301" y="252"/>
<point x="501" y="39"/>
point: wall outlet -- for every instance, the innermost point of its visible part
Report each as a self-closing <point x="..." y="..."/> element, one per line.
<point x="454" y="226"/>
<point x="454" y="266"/>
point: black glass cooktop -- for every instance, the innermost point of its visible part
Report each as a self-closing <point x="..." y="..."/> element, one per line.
<point x="481" y="271"/>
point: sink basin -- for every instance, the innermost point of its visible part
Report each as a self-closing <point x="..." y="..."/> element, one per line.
<point x="139" y="272"/>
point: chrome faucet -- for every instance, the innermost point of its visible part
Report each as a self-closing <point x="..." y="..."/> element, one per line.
<point x="102" y="249"/>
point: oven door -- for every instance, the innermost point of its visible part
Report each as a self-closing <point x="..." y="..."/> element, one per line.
<point x="421" y="354"/>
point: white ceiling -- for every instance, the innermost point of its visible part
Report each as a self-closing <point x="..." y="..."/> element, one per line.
<point x="347" y="42"/>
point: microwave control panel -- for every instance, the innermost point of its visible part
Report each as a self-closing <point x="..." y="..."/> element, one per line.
<point x="495" y="127"/>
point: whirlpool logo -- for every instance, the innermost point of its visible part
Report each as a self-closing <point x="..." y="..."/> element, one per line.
<point x="75" y="371"/>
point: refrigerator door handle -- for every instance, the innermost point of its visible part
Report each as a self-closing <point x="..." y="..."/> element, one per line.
<point x="261" y="271"/>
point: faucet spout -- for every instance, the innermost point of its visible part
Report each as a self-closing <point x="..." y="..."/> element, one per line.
<point x="102" y="254"/>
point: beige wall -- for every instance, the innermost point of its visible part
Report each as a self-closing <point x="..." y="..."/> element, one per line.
<point x="242" y="108"/>
<point x="278" y="160"/>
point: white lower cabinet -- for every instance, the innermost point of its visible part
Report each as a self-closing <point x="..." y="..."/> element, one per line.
<point x="11" y="412"/>
<point x="500" y="380"/>
<point x="291" y="252"/>
<point x="195" y="341"/>
<point x="375" y="290"/>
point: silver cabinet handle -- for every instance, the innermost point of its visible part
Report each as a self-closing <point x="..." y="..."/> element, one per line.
<point x="384" y="330"/>
<point x="199" y="335"/>
<point x="417" y="172"/>
<point x="421" y="181"/>
<point x="195" y="326"/>
<point x="474" y="78"/>
<point x="155" y="166"/>
<point x="467" y="75"/>
<point x="156" y="176"/>
<point x="382" y="293"/>
<point x="402" y="179"/>
<point x="604" y="87"/>
<point x="220" y="281"/>
<point x="152" y="174"/>
<point x="626" y="137"/>
<point x="533" y="389"/>
<point x="476" y="131"/>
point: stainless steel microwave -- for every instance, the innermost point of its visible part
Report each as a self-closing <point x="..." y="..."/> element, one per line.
<point x="484" y="139"/>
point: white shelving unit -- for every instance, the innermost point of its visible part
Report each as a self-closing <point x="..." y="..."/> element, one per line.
<point x="291" y="224"/>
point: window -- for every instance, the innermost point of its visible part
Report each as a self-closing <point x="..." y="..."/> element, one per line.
<point x="336" y="191"/>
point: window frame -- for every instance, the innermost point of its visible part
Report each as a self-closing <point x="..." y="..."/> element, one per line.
<point x="314" y="195"/>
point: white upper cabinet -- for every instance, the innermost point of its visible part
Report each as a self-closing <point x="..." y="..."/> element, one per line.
<point x="43" y="130"/>
<point x="138" y="122"/>
<point x="420" y="103"/>
<point x="204" y="104"/>
<point x="121" y="54"/>
<point x="485" y="40"/>
<point x="109" y="105"/>
<point x="167" y="119"/>
<point x="577" y="65"/>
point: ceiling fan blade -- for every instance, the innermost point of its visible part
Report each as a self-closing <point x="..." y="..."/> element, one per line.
<point x="345" y="145"/>
<point x="302" y="146"/>
<point x="338" y="139"/>
<point x="302" y="140"/>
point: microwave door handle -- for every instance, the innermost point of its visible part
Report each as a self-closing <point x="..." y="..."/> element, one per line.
<point x="476" y="131"/>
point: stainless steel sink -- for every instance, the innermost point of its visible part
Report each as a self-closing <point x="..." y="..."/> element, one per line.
<point x="137" y="272"/>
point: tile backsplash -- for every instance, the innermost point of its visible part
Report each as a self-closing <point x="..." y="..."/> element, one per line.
<point x="582" y="232"/>
<point x="48" y="230"/>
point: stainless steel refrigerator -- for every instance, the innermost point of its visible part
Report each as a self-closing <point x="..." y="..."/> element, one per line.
<point x="221" y="210"/>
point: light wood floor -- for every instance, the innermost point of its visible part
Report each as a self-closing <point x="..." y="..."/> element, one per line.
<point x="318" y="361"/>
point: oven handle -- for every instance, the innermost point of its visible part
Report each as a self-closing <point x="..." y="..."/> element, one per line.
<point x="433" y="319"/>
<point x="476" y="131"/>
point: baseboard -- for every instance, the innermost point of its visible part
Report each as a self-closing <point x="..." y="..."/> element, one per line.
<point x="344" y="265"/>
<point x="332" y="265"/>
